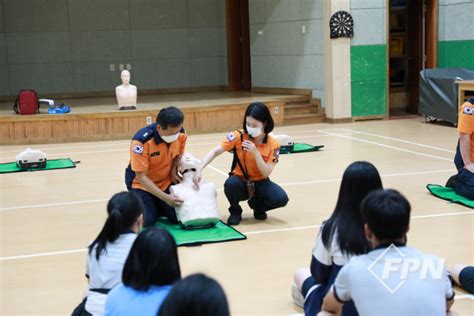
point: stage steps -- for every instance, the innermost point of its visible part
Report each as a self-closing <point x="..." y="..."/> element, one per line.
<point x="304" y="112"/>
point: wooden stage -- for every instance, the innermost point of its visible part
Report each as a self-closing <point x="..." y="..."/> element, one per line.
<point x="93" y="119"/>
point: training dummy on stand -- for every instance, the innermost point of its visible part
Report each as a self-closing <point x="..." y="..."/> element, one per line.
<point x="126" y="93"/>
<point x="200" y="205"/>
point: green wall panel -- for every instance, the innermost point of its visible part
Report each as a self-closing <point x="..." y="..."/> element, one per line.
<point x="369" y="63"/>
<point x="456" y="54"/>
<point x="369" y="80"/>
<point x="369" y="98"/>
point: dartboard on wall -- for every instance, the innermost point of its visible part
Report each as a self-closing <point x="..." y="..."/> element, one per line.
<point x="341" y="25"/>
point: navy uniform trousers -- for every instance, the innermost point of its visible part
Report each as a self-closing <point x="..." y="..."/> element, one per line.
<point x="268" y="195"/>
<point x="465" y="179"/>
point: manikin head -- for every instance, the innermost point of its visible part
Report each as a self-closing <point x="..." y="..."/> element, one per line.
<point x="188" y="161"/>
<point x="125" y="77"/>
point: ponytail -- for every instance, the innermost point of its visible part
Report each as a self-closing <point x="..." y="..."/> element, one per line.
<point x="123" y="208"/>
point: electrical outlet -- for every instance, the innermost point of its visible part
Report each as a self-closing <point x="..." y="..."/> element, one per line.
<point x="303" y="29"/>
<point x="277" y="109"/>
<point x="121" y="67"/>
<point x="149" y="120"/>
<point x="260" y="32"/>
<point x="112" y="67"/>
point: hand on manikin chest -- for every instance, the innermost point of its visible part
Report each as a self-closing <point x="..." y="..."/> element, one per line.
<point x="199" y="207"/>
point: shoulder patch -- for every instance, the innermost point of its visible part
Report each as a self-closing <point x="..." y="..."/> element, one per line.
<point x="230" y="137"/>
<point x="276" y="155"/>
<point x="137" y="149"/>
<point x="468" y="110"/>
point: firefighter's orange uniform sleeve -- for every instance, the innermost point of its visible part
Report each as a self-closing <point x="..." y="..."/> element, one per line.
<point x="230" y="141"/>
<point x="466" y="123"/>
<point x="139" y="156"/>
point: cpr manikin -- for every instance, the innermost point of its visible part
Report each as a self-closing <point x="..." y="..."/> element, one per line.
<point x="200" y="206"/>
<point x="126" y="93"/>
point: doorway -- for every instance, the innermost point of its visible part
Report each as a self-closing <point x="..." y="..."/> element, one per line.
<point x="238" y="45"/>
<point x="412" y="46"/>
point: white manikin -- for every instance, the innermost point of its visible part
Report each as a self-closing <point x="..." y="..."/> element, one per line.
<point x="126" y="93"/>
<point x="200" y="206"/>
<point x="284" y="140"/>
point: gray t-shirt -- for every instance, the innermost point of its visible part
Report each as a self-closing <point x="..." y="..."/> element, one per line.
<point x="395" y="281"/>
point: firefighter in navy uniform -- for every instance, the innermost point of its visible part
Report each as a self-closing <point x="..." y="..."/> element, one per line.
<point x="155" y="153"/>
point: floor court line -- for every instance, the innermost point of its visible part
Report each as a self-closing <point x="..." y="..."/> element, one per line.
<point x="219" y="136"/>
<point x="316" y="226"/>
<point x="383" y="176"/>
<point x="388" y="146"/>
<point x="126" y="149"/>
<point x="223" y="173"/>
<point x="247" y="233"/>
<point x="124" y="143"/>
<point x="400" y="140"/>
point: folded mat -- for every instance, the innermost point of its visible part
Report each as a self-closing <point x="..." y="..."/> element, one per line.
<point x="194" y="237"/>
<point x="50" y="165"/>
<point x="299" y="148"/>
<point x="448" y="194"/>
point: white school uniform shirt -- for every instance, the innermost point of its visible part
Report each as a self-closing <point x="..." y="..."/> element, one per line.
<point x="106" y="273"/>
<point x="330" y="256"/>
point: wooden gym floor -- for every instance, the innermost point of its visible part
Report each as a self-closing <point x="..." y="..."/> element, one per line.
<point x="48" y="218"/>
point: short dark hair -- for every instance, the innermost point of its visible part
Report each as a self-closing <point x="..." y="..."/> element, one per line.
<point x="153" y="260"/>
<point x="196" y="295"/>
<point x="170" y="116"/>
<point x="387" y="213"/>
<point x="260" y="112"/>
<point x="123" y="210"/>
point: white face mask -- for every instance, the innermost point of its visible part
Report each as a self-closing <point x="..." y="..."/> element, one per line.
<point x="254" y="132"/>
<point x="170" y="138"/>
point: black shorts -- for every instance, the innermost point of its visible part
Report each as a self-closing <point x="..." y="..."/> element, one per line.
<point x="466" y="279"/>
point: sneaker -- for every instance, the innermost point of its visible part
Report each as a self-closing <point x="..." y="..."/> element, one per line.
<point x="261" y="216"/>
<point x="297" y="296"/>
<point x="452" y="182"/>
<point x="234" y="219"/>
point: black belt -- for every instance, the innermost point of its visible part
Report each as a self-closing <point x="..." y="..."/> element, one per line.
<point x="188" y="170"/>
<point x="101" y="291"/>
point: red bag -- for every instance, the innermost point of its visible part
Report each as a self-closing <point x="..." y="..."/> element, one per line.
<point x="26" y="103"/>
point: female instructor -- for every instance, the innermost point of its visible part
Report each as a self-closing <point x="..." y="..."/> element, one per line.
<point x="255" y="155"/>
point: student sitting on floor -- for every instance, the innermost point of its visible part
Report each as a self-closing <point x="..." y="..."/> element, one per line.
<point x="464" y="277"/>
<point x="339" y="238"/>
<point x="196" y="295"/>
<point x="463" y="182"/>
<point x="107" y="253"/>
<point x="151" y="268"/>
<point x="384" y="282"/>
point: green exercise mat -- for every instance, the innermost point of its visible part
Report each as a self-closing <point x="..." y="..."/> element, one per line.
<point x="448" y="194"/>
<point x="50" y="165"/>
<point x="299" y="148"/>
<point x="194" y="237"/>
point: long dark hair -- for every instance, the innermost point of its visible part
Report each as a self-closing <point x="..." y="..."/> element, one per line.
<point x="359" y="179"/>
<point x="195" y="295"/>
<point x="123" y="209"/>
<point x="153" y="260"/>
<point x="260" y="112"/>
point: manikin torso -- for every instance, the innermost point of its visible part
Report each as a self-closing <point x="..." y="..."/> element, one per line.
<point x="126" y="93"/>
<point x="199" y="207"/>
